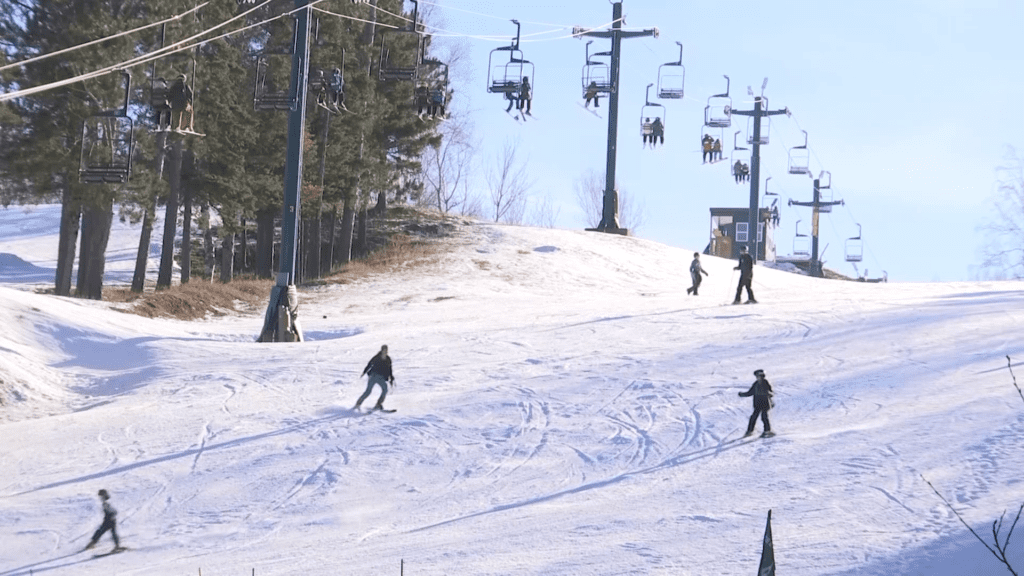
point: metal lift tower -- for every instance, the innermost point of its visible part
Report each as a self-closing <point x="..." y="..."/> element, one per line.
<point x="610" y="212"/>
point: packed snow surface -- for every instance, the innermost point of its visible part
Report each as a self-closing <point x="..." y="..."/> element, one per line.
<point x="563" y="407"/>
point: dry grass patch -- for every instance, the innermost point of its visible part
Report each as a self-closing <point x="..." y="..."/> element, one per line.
<point x="196" y="300"/>
<point x="402" y="252"/>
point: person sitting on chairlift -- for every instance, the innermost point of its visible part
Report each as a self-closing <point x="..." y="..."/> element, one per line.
<point x="436" y="102"/>
<point x="737" y="171"/>
<point x="525" y="98"/>
<point x="592" y="95"/>
<point x="707" y="143"/>
<point x="336" y="89"/>
<point x="180" y="97"/>
<point x="422" y="97"/>
<point x="657" y="132"/>
<point x="161" y="104"/>
<point x="716" y="150"/>
<point x="647" y="130"/>
<point x="746" y="173"/>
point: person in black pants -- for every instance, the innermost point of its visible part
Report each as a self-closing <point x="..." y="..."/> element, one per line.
<point x="109" y="523"/>
<point x="695" y="274"/>
<point x="379" y="369"/>
<point x="746" y="268"/>
<point x="761" y="390"/>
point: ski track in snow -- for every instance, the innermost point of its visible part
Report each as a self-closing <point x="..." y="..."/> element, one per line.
<point x="560" y="411"/>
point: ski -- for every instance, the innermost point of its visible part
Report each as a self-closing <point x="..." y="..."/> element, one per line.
<point x="117" y="550"/>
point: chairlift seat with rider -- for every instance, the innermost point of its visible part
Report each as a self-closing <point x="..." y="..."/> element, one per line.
<point x="506" y="76"/>
<point x="596" y="77"/>
<point x="650" y="112"/>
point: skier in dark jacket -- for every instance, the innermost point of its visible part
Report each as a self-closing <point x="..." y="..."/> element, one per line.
<point x="761" y="390"/>
<point x="746" y="268"/>
<point x="109" y="523"/>
<point x="379" y="369"/>
<point x="695" y="273"/>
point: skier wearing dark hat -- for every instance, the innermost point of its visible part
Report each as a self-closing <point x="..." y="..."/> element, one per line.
<point x="761" y="390"/>
<point x="109" y="523"/>
<point x="746" y="268"/>
<point x="695" y="274"/>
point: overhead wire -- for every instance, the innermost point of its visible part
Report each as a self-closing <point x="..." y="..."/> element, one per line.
<point x="156" y="54"/>
<point x="99" y="40"/>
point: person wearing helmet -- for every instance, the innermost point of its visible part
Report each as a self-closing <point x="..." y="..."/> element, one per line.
<point x="762" y="392"/>
<point x="746" y="268"/>
<point x="109" y="523"/>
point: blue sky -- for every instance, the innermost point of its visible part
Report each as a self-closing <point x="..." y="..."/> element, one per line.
<point x="909" y="105"/>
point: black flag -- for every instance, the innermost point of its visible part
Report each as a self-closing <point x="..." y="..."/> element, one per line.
<point x="767" y="567"/>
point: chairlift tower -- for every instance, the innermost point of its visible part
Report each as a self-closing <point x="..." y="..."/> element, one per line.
<point x="756" y="115"/>
<point x="284" y="289"/>
<point x="610" y="211"/>
<point x="816" y="206"/>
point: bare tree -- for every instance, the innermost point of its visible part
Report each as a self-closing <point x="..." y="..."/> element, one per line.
<point x="509" y="185"/>
<point x="589" y="188"/>
<point x="447" y="167"/>
<point x="544" y="214"/>
<point x="1003" y="256"/>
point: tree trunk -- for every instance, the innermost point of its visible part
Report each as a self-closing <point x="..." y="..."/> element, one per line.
<point x="163" y="279"/>
<point x="186" y="236"/>
<point x="265" y="243"/>
<point x="142" y="259"/>
<point x="328" y="258"/>
<point x="227" y="258"/>
<point x="96" y="221"/>
<point x="364" y="221"/>
<point x="209" y="252"/>
<point x="348" y="219"/>
<point x="70" y="220"/>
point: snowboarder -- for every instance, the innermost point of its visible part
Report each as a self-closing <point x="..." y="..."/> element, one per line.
<point x="109" y="523"/>
<point x="707" y="144"/>
<point x="379" y="370"/>
<point x="695" y="273"/>
<point x="761" y="390"/>
<point x="746" y="268"/>
<point x="592" y="94"/>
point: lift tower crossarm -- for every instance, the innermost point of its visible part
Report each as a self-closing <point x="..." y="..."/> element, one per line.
<point x="610" y="210"/>
<point x="753" y="219"/>
<point x="815" y="206"/>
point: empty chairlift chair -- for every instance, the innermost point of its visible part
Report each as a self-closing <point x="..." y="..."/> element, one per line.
<point x="107" y="144"/>
<point x="671" y="78"/>
<point x="718" y="112"/>
<point x="855" y="247"/>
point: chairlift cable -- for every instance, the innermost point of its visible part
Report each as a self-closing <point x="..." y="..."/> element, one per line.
<point x="146" y="58"/>
<point x="489" y="15"/>
<point x="100" y="40"/>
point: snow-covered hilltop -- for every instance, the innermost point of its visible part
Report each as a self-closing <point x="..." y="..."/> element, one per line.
<point x="563" y="408"/>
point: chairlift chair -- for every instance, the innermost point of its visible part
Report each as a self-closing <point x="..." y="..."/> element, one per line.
<point x="801" y="243"/>
<point x="507" y="77"/>
<point x="431" y="90"/>
<point x="800" y="158"/>
<point x="855" y="247"/>
<point x="648" y="112"/>
<point x="107" y="144"/>
<point x="718" y="112"/>
<point x="766" y="127"/>
<point x="272" y="89"/>
<point x="396" y="62"/>
<point x="713" y="133"/>
<point x="596" y="74"/>
<point x="671" y="78"/>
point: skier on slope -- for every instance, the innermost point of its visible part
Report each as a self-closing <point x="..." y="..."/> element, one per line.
<point x="746" y="268"/>
<point x="109" y="523"/>
<point x="379" y="369"/>
<point x="761" y="390"/>
<point x="695" y="274"/>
